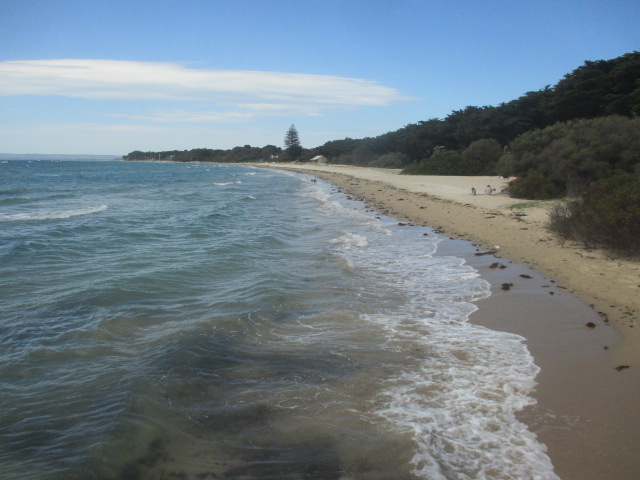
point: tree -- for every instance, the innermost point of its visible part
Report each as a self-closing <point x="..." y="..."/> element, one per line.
<point x="292" y="143"/>
<point x="480" y="157"/>
<point x="600" y="88"/>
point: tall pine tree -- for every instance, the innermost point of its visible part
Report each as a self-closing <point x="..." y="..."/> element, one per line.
<point x="293" y="149"/>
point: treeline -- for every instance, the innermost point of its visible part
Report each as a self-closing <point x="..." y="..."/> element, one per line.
<point x="235" y="155"/>
<point x="596" y="89"/>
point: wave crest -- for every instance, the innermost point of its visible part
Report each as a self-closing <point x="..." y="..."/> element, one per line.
<point x="52" y="215"/>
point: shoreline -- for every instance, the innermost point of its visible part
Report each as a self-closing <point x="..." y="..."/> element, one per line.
<point x="586" y="410"/>
<point x="608" y="283"/>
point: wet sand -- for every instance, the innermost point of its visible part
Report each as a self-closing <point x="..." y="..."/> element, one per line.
<point x="576" y="308"/>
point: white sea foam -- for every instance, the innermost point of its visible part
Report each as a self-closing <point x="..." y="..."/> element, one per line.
<point x="460" y="398"/>
<point x="459" y="402"/>
<point x="347" y="241"/>
<point x="338" y="208"/>
<point x="460" y="406"/>
<point x="52" y="215"/>
<point x="224" y="184"/>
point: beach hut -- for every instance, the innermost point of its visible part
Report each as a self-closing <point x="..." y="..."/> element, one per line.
<point x="319" y="159"/>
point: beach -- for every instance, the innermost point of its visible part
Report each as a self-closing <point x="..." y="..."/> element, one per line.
<point x="577" y="308"/>
<point x="201" y="320"/>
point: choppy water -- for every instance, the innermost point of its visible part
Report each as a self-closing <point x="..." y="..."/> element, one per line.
<point x="213" y="321"/>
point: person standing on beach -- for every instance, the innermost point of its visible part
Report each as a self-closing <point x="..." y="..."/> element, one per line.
<point x="488" y="190"/>
<point x="473" y="190"/>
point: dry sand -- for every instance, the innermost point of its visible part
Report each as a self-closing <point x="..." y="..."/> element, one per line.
<point x="587" y="411"/>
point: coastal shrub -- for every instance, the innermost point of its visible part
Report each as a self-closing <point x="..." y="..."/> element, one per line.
<point x="481" y="157"/>
<point x="608" y="214"/>
<point x="389" y="160"/>
<point x="359" y="156"/>
<point x="441" y="163"/>
<point x="535" y="186"/>
<point x="505" y="167"/>
<point x="574" y="154"/>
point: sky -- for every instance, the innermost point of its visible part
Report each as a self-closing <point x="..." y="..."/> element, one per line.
<point x="114" y="76"/>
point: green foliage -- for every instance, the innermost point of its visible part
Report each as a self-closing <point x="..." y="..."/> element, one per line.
<point x="595" y="89"/>
<point x="440" y="163"/>
<point x="235" y="155"/>
<point x="601" y="88"/>
<point x="528" y="112"/>
<point x="480" y="157"/>
<point x="535" y="186"/>
<point x="505" y="165"/>
<point x="389" y="160"/>
<point x="291" y="138"/>
<point x="568" y="157"/>
<point x="361" y="156"/>
<point x="335" y="149"/>
<point x="608" y="214"/>
<point x="292" y="143"/>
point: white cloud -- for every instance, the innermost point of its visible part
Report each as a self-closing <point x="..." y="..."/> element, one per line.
<point x="241" y="114"/>
<point x="188" y="116"/>
<point x="246" y="93"/>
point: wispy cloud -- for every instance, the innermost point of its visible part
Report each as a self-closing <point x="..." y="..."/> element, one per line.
<point x="240" y="114"/>
<point x="234" y="95"/>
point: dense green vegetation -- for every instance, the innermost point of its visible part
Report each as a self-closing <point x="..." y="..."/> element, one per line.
<point x="235" y="155"/>
<point x="567" y="157"/>
<point x="596" y="89"/>
<point x="579" y="139"/>
<point x="593" y="163"/>
<point x="607" y="214"/>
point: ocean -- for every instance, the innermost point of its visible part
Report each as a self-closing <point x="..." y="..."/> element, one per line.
<point x="200" y="321"/>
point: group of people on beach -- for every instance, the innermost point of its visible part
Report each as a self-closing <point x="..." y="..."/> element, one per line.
<point x="487" y="191"/>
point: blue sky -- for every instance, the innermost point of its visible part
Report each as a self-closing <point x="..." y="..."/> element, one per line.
<point x="110" y="77"/>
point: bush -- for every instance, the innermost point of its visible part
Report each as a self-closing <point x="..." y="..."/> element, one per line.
<point x="389" y="160"/>
<point x="575" y="154"/>
<point x="505" y="167"/>
<point x="481" y="157"/>
<point x="608" y="214"/>
<point x="535" y="186"/>
<point x="441" y="163"/>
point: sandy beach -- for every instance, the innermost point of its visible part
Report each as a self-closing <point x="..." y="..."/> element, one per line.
<point x="577" y="308"/>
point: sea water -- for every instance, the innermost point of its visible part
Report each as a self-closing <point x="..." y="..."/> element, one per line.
<point x="195" y="321"/>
